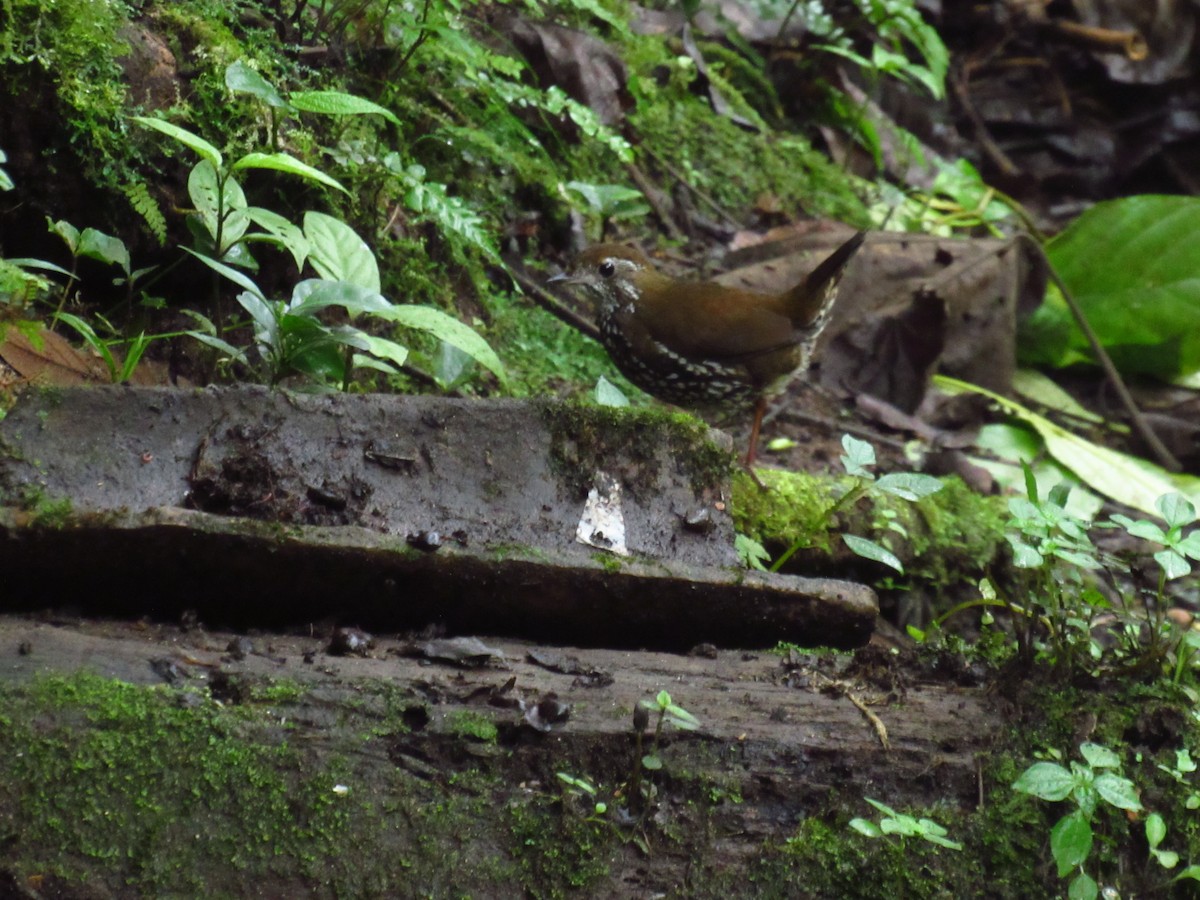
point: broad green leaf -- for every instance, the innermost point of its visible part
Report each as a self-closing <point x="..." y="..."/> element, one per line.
<point x="242" y="79"/>
<point x="338" y="253"/>
<point x="1192" y="872"/>
<point x="1131" y="265"/>
<point x="1033" y="385"/>
<point x="871" y="550"/>
<point x="290" y="236"/>
<point x="235" y="353"/>
<point x="376" y="346"/>
<point x="1046" y="780"/>
<point x="335" y="103"/>
<point x="450" y="330"/>
<point x="1126" y="479"/>
<point x="238" y="278"/>
<point x="68" y="232"/>
<point x="27" y="263"/>
<point x="315" y="294"/>
<point x="604" y="198"/>
<point x="1083" y="887"/>
<point x="1099" y="756"/>
<point x="1070" y="841"/>
<point x="105" y="248"/>
<point x="283" y="162"/>
<point x="266" y="322"/>
<point x="1173" y="565"/>
<point x="651" y="762"/>
<point x="1118" y="791"/>
<point x="908" y="485"/>
<point x="206" y="150"/>
<point x="222" y="207"/>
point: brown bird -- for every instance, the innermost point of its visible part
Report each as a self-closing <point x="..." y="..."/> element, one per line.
<point x="701" y="344"/>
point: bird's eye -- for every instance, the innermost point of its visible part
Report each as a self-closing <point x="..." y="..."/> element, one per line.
<point x="607" y="269"/>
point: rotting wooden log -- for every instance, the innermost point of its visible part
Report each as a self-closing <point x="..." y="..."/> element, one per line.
<point x="263" y="508"/>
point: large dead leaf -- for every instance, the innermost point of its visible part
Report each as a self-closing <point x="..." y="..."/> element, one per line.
<point x="908" y="304"/>
<point x="44" y="357"/>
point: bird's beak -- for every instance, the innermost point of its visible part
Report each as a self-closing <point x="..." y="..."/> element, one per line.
<point x="562" y="278"/>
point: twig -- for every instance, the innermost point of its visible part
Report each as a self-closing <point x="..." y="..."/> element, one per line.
<point x="702" y="195"/>
<point x="1164" y="456"/>
<point x="548" y="302"/>
<point x="876" y="722"/>
<point x="651" y="193"/>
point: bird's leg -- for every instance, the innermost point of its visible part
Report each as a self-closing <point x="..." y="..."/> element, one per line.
<point x="760" y="409"/>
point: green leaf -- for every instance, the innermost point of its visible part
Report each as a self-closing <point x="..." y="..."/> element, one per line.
<point x="104" y="248"/>
<point x="1173" y="565"/>
<point x="651" y="762"/>
<point x="450" y="330"/>
<point x="1126" y="479"/>
<point x="194" y="142"/>
<point x="378" y="347"/>
<point x="753" y="554"/>
<point x="65" y="230"/>
<point x="222" y="206"/>
<point x="1046" y="780"/>
<point x="1083" y="887"/>
<point x="1118" y="791"/>
<point x="241" y="79"/>
<point x="314" y="294"/>
<point x="1192" y="872"/>
<point x="335" y="103"/>
<point x="1099" y="756"/>
<point x="1156" y="830"/>
<point x="859" y="456"/>
<point x="238" y="278"/>
<point x="1132" y="267"/>
<point x="873" y="551"/>
<point x="908" y="485"/>
<point x="863" y="826"/>
<point x="1070" y="841"/>
<point x="338" y="253"/>
<point x="283" y="162"/>
<point x="1176" y="509"/>
<point x="288" y="235"/>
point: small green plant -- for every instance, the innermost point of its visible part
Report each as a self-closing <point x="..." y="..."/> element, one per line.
<point x="1184" y="766"/>
<point x="119" y="372"/>
<point x="1055" y="623"/>
<point x="584" y="789"/>
<point x="903" y="826"/>
<point x="290" y="337"/>
<point x="857" y="460"/>
<point x="1086" y="785"/>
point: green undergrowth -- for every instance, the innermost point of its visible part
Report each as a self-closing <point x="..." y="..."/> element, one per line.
<point x="153" y="791"/>
<point x="951" y="535"/>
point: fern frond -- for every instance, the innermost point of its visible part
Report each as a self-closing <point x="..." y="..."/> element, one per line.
<point x="145" y="206"/>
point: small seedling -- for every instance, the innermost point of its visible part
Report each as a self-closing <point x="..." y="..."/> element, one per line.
<point x="903" y="826"/>
<point x="858" y="460"/>
<point x="1086" y="785"/>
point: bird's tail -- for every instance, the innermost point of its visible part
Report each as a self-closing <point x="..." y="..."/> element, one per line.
<point x="811" y="300"/>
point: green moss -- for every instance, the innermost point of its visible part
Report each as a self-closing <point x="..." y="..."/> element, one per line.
<point x="559" y="853"/>
<point x="66" y="53"/>
<point x="729" y="163"/>
<point x="586" y="439"/>
<point x="467" y="724"/>
<point x="99" y="772"/>
<point x="279" y="690"/>
<point x="51" y="512"/>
